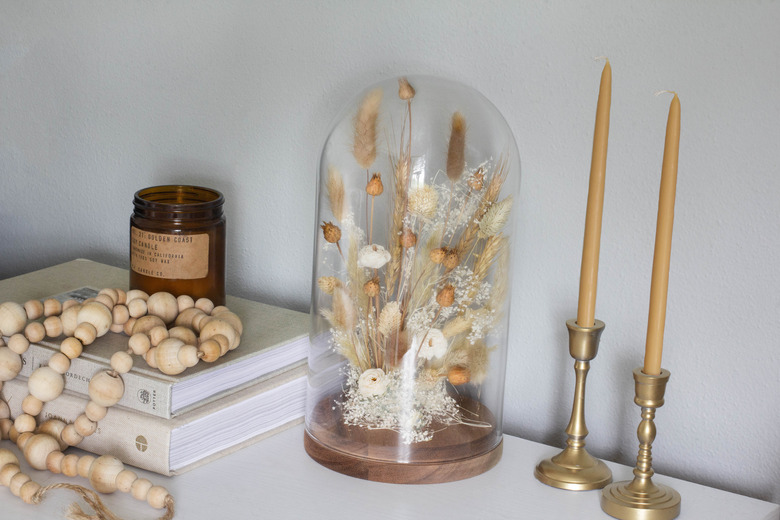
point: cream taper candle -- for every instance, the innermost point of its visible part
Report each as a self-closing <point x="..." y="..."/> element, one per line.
<point x="586" y="308"/>
<point x="663" y="243"/>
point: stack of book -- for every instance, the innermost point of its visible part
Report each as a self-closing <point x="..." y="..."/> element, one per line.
<point x="170" y="424"/>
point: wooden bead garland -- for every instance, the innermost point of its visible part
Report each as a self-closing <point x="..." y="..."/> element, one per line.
<point x="199" y="332"/>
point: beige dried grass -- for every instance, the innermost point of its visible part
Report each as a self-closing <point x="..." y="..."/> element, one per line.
<point x="364" y="147"/>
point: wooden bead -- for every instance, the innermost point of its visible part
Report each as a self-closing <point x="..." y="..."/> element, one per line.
<point x="112" y="294"/>
<point x="18" y="343"/>
<point x="139" y="344"/>
<point x="17" y="481"/>
<point x="8" y="471"/>
<point x="188" y="356"/>
<point x="116" y="329"/>
<point x="150" y="357"/>
<point x="157" y="334"/>
<point x="84" y="426"/>
<point x="84" y="464"/>
<point x="134" y="294"/>
<point x="53" y="326"/>
<point x="205" y="305"/>
<point x="5" y="412"/>
<point x="120" y="314"/>
<point x="121" y="296"/>
<point x="54" y="461"/>
<point x="13" y="434"/>
<point x="103" y="473"/>
<point x="28" y="491"/>
<point x="128" y="328"/>
<point x="6" y="425"/>
<point x="86" y="333"/>
<point x="70" y="319"/>
<point x="71" y="347"/>
<point x="167" y="356"/>
<point x="45" y="384"/>
<point x="136" y="308"/>
<point x="106" y="389"/>
<point x="105" y="300"/>
<point x="51" y="307"/>
<point x="59" y="362"/>
<point x="13" y="318"/>
<point x="199" y="320"/>
<point x="70" y="465"/>
<point x="125" y="479"/>
<point x="22" y="439"/>
<point x="140" y="488"/>
<point x="218" y="309"/>
<point x="185" y="317"/>
<point x="224" y="343"/>
<point x="94" y="411"/>
<point x="34" y="309"/>
<point x="54" y="428"/>
<point x="70" y="436"/>
<point x="233" y="319"/>
<point x="38" y="447"/>
<point x="164" y="305"/>
<point x="31" y="405"/>
<point x="8" y="457"/>
<point x="35" y="331"/>
<point x="146" y="323"/>
<point x="121" y="361"/>
<point x="67" y="304"/>
<point x="217" y="326"/>
<point x="210" y="350"/>
<point x="185" y="302"/>
<point x="10" y="364"/>
<point x="156" y="497"/>
<point x="98" y="315"/>
<point x="24" y="423"/>
<point x="185" y="334"/>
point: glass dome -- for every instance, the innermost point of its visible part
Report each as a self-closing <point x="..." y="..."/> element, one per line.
<point x="410" y="300"/>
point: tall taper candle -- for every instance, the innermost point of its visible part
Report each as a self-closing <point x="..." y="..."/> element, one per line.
<point x="663" y="243"/>
<point x="589" y="269"/>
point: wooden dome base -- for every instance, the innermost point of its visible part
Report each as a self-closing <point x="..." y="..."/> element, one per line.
<point x="457" y="451"/>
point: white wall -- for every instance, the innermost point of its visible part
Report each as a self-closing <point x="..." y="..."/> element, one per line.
<point x="101" y="98"/>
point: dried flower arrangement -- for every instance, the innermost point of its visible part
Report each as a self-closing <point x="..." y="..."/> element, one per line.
<point x="413" y="314"/>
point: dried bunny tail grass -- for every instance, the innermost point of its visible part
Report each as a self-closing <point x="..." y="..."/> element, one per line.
<point x="364" y="148"/>
<point x="400" y="180"/>
<point x="495" y="218"/>
<point x="456" y="326"/>
<point x="335" y="187"/>
<point x="456" y="152"/>
<point x="344" y="312"/>
<point x="389" y="319"/>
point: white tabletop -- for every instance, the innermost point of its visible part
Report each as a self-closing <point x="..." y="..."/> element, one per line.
<point x="275" y="479"/>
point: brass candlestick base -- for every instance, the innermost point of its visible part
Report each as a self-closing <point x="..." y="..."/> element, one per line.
<point x="574" y="468"/>
<point x="641" y="499"/>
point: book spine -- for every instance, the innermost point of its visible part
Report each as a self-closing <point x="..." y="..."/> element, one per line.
<point x="136" y="439"/>
<point x="142" y="393"/>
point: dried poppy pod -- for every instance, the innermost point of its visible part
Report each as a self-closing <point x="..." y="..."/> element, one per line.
<point x="451" y="259"/>
<point x="371" y="287"/>
<point x="477" y="181"/>
<point x="375" y="186"/>
<point x="408" y="238"/>
<point x="331" y="232"/>
<point x="405" y="90"/>
<point x="446" y="296"/>
<point x="459" y="375"/>
<point x="437" y="255"/>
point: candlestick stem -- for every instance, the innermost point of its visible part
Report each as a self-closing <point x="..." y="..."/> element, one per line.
<point x="574" y="468"/>
<point x="640" y="498"/>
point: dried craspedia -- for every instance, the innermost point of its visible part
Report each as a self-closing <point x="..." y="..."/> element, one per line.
<point x="331" y="232"/>
<point x="371" y="287"/>
<point x="477" y="181"/>
<point x="408" y="238"/>
<point x="451" y="259"/>
<point x="405" y="90"/>
<point x="374" y="186"/>
<point x="437" y="255"/>
<point x="328" y="284"/>
<point x="446" y="296"/>
<point x="459" y="375"/>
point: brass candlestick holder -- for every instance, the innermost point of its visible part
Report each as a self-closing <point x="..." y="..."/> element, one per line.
<point x="641" y="499"/>
<point x="574" y="468"/>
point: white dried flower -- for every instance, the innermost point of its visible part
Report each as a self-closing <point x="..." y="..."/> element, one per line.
<point x="389" y="318"/>
<point x="423" y="201"/>
<point x="495" y="218"/>
<point x="431" y="344"/>
<point x="373" y="256"/>
<point x="372" y="382"/>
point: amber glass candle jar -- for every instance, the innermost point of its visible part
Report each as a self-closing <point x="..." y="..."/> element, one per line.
<point x="177" y="242"/>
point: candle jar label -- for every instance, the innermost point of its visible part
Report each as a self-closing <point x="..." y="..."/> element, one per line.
<point x="162" y="255"/>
